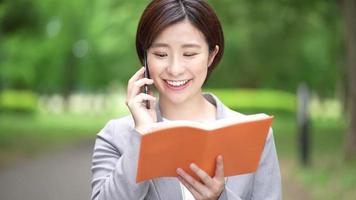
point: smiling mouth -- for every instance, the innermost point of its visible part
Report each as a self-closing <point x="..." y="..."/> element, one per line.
<point x="177" y="85"/>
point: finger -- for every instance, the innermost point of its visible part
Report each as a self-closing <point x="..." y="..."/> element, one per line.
<point x="207" y="180"/>
<point x="219" y="171"/>
<point x="140" y="82"/>
<point x="139" y="74"/>
<point x="135" y="88"/>
<point x="190" y="188"/>
<point x="137" y="85"/>
<point x="191" y="181"/>
<point x="135" y="77"/>
<point x="142" y="97"/>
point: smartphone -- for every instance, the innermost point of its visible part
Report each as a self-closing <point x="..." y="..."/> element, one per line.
<point x="147" y="75"/>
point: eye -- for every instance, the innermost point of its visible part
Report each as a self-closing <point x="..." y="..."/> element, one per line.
<point x="160" y="55"/>
<point x="190" y="54"/>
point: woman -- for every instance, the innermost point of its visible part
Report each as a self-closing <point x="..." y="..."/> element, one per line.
<point x="183" y="41"/>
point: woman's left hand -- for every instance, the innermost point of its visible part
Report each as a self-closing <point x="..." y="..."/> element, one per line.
<point x="211" y="188"/>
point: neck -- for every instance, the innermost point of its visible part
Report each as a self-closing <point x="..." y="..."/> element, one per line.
<point x="195" y="109"/>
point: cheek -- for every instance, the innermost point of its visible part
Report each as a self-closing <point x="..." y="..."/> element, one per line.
<point x="155" y="67"/>
<point x="199" y="65"/>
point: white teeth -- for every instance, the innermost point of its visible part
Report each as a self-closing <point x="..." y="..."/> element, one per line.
<point x="176" y="83"/>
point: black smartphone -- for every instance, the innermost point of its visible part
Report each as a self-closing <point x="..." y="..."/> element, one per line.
<point x="147" y="75"/>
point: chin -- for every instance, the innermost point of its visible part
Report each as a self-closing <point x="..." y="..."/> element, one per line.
<point x="178" y="98"/>
<point x="175" y="98"/>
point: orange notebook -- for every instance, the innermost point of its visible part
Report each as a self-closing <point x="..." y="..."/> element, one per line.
<point x="176" y="144"/>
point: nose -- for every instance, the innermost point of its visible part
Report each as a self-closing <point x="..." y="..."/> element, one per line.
<point x="175" y="66"/>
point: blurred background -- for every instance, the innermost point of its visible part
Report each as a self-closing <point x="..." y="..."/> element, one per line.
<point x="64" y="66"/>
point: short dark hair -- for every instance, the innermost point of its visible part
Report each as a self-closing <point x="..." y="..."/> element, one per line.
<point x="159" y="14"/>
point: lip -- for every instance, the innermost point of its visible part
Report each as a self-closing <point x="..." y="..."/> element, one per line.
<point x="179" y="88"/>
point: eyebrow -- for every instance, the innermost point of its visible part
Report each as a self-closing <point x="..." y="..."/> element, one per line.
<point x="192" y="46"/>
<point x="189" y="45"/>
<point x="154" y="45"/>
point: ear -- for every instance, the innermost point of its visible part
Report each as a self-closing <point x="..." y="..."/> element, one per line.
<point x="212" y="55"/>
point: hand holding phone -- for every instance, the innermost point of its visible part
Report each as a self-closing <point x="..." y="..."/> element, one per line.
<point x="140" y="100"/>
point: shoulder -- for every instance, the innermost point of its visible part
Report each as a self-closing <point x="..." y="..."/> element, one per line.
<point x="223" y="110"/>
<point x="117" y="130"/>
<point x="232" y="113"/>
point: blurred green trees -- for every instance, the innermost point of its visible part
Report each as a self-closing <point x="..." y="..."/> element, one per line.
<point x="64" y="46"/>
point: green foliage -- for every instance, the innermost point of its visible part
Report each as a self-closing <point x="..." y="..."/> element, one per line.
<point x="278" y="44"/>
<point x="18" y="101"/>
<point x="87" y="45"/>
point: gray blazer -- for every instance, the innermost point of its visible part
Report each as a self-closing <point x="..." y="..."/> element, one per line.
<point x="115" y="157"/>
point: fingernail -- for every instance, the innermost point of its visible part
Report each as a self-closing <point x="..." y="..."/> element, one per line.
<point x="192" y="165"/>
<point x="179" y="170"/>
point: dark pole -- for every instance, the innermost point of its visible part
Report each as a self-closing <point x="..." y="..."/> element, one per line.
<point x="303" y="124"/>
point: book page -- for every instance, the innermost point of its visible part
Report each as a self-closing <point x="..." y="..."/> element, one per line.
<point x="206" y="126"/>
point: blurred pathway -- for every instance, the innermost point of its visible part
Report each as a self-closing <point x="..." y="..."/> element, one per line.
<point x="66" y="175"/>
<point x="292" y="189"/>
<point x="60" y="175"/>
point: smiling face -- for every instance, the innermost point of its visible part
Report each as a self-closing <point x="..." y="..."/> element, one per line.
<point x="178" y="61"/>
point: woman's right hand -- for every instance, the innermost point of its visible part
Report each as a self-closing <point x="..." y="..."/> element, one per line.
<point x="135" y="101"/>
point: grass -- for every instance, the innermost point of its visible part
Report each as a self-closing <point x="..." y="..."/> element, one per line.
<point x="329" y="175"/>
<point x="257" y="99"/>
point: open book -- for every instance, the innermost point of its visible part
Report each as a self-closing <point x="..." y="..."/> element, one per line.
<point x="176" y="144"/>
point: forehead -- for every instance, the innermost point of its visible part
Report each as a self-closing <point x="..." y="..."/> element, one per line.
<point x="181" y="33"/>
